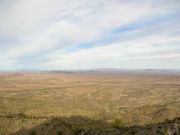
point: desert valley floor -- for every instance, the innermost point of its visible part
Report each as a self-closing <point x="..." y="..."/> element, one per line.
<point x="85" y="100"/>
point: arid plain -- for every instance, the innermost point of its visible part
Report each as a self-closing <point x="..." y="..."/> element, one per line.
<point x="119" y="99"/>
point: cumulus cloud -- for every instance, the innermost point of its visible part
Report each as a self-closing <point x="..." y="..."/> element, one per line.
<point x="84" y="34"/>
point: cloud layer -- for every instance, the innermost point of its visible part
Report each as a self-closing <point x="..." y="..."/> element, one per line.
<point x="86" y="34"/>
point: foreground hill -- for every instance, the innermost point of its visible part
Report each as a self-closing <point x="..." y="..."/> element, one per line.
<point x="85" y="126"/>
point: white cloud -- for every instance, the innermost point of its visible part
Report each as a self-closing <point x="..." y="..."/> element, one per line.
<point x="154" y="49"/>
<point x="48" y="27"/>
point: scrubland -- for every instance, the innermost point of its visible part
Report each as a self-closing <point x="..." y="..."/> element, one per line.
<point x="89" y="103"/>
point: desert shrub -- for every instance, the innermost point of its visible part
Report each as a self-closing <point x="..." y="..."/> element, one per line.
<point x="165" y="132"/>
<point x="32" y="133"/>
<point x="76" y="129"/>
<point x="82" y="132"/>
<point x="117" y="123"/>
<point x="21" y="115"/>
<point x="59" y="132"/>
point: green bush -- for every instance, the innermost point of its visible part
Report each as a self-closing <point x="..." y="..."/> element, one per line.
<point x="117" y="123"/>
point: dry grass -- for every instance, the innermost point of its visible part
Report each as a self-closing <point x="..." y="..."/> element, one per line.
<point x="132" y="98"/>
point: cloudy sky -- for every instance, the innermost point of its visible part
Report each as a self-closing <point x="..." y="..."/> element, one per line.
<point x="89" y="34"/>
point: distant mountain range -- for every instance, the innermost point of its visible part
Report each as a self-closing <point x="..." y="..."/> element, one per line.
<point x="102" y="70"/>
<point x="113" y="70"/>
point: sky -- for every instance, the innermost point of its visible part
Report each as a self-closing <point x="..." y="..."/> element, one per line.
<point x="89" y="34"/>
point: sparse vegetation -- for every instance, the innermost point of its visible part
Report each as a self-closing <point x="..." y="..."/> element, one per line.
<point x="28" y="100"/>
<point x="117" y="123"/>
<point x="59" y="132"/>
<point x="32" y="132"/>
